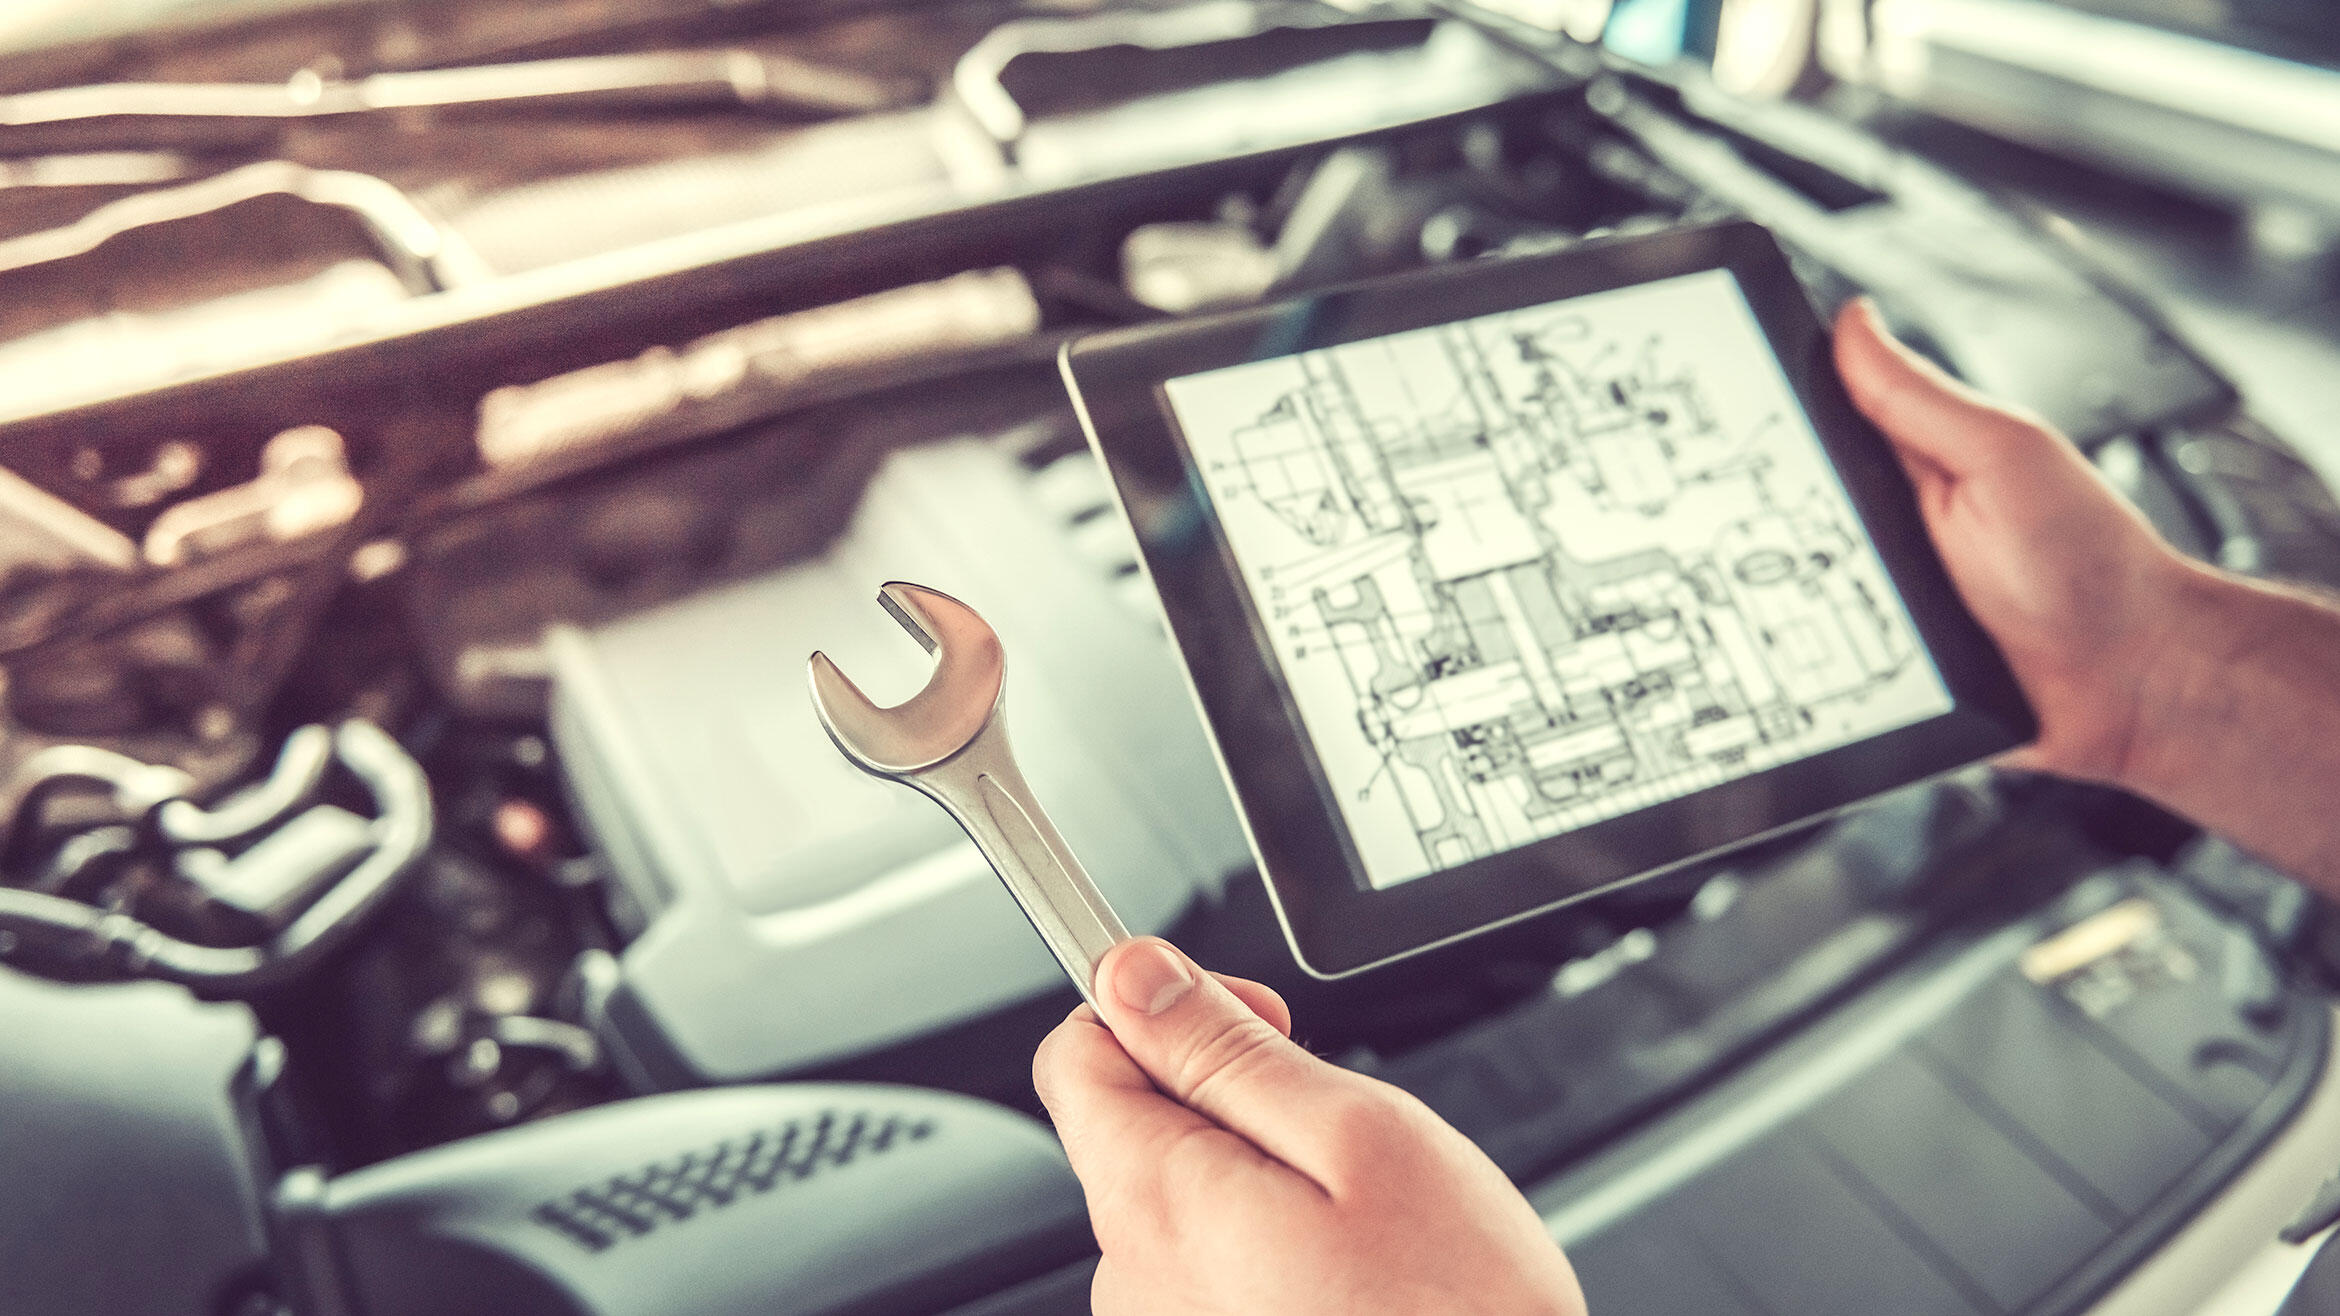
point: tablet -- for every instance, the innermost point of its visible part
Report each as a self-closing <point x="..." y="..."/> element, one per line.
<point x="1501" y="585"/>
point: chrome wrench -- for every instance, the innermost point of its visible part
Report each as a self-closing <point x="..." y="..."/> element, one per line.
<point x="949" y="742"/>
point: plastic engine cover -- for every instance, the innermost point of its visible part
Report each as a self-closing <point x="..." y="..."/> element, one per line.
<point x="131" y="1187"/>
<point x="786" y="910"/>
<point x="807" y="1198"/>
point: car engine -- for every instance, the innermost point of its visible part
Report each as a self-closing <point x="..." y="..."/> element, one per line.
<point x="424" y="886"/>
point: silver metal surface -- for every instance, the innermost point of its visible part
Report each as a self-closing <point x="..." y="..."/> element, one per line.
<point x="411" y="243"/>
<point x="126" y="115"/>
<point x="948" y="742"/>
<point x="980" y="88"/>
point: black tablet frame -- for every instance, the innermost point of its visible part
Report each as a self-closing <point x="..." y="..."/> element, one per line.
<point x="1336" y="923"/>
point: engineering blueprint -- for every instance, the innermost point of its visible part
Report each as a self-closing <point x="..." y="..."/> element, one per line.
<point x="1531" y="571"/>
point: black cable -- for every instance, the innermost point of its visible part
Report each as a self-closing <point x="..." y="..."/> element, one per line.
<point x="118" y="944"/>
<point x="300" y="768"/>
<point x="403" y="797"/>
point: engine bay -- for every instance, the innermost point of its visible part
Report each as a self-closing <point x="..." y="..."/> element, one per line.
<point x="414" y="515"/>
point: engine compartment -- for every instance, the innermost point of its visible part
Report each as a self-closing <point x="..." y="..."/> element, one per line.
<point x="655" y="408"/>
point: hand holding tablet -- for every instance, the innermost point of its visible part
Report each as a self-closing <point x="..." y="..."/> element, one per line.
<point x="1502" y="585"/>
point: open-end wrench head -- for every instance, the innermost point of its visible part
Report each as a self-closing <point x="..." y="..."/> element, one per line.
<point x="937" y="722"/>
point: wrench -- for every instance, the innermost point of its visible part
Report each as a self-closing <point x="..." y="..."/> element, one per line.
<point x="949" y="742"/>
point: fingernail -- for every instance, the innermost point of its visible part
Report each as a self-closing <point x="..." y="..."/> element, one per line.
<point x="1150" y="977"/>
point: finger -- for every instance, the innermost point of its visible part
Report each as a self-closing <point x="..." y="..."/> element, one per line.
<point x="2024" y="758"/>
<point x="1205" y="1048"/>
<point x="1104" y="1104"/>
<point x="1115" y="1124"/>
<point x="1262" y="1000"/>
<point x="1920" y="407"/>
<point x="1935" y="487"/>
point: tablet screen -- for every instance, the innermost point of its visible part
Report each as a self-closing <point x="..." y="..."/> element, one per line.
<point x="1533" y="570"/>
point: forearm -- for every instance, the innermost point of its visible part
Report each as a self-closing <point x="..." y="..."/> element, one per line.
<point x="2239" y="729"/>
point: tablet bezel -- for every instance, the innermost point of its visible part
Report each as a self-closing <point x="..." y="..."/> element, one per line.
<point x="1336" y="923"/>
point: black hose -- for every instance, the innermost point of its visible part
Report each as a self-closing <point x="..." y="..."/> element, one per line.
<point x="135" y="786"/>
<point x="300" y="767"/>
<point x="120" y="945"/>
<point x="402" y="799"/>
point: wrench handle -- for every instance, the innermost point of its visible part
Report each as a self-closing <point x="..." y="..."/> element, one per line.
<point x="991" y="800"/>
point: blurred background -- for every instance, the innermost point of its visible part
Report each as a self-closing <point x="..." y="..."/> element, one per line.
<point x="2192" y="145"/>
<point x="432" y="432"/>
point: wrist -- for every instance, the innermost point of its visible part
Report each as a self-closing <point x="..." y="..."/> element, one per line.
<point x="2210" y="625"/>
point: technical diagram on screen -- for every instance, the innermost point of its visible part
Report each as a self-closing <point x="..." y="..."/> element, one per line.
<point x="1545" y="567"/>
<point x="1494" y="598"/>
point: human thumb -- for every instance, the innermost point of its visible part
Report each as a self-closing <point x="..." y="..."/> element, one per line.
<point x="1206" y="1049"/>
<point x="1925" y="412"/>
